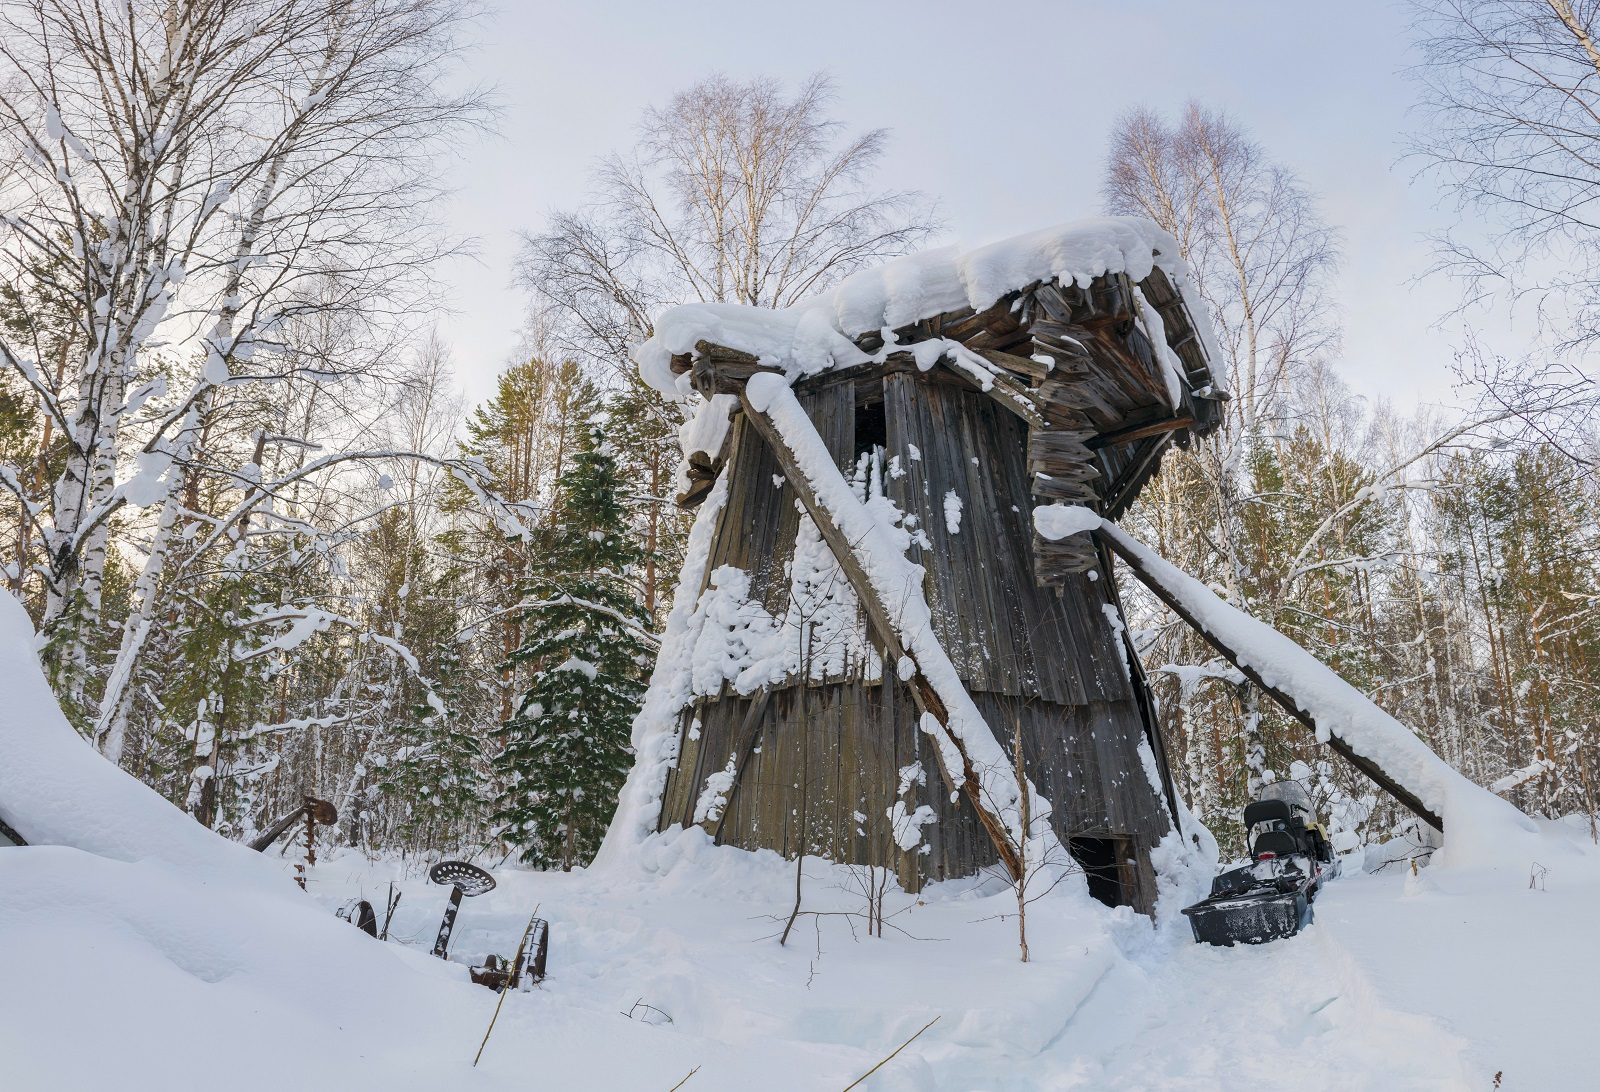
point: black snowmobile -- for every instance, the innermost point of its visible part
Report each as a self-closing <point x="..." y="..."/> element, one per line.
<point x="1270" y="897"/>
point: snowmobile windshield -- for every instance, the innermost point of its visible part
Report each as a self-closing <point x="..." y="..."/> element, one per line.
<point x="1290" y="792"/>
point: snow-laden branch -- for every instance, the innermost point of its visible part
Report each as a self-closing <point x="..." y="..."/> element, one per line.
<point x="628" y="625"/>
<point x="463" y="471"/>
<point x="113" y="702"/>
<point x="1382" y="484"/>
<point x="305" y="622"/>
<point x="1533" y="770"/>
<point x="1190" y="676"/>
<point x="1362" y="561"/>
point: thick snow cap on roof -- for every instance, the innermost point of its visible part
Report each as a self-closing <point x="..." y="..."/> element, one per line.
<point x="819" y="333"/>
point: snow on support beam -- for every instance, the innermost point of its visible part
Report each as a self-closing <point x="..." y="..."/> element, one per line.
<point x="889" y="588"/>
<point x="1337" y="712"/>
<point x="1183" y="610"/>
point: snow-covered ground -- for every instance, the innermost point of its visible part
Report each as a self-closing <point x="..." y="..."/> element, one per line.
<point x="125" y="975"/>
<point x="139" y="951"/>
<point x="1401" y="983"/>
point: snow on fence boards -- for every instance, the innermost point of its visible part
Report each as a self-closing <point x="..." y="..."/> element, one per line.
<point x="1003" y="633"/>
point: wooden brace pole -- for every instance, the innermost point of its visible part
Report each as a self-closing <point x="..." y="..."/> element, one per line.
<point x="1405" y="796"/>
<point x="923" y="693"/>
<point x="749" y="731"/>
<point x="1142" y="696"/>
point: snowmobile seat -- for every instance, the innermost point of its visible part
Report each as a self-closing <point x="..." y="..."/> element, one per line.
<point x="1267" y="811"/>
<point x="1232" y="883"/>
<point x="1279" y="843"/>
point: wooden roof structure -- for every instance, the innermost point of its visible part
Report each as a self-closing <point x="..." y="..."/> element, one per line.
<point x="1076" y="365"/>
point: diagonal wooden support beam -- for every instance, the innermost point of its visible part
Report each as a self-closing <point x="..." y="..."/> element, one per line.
<point x="1140" y="683"/>
<point x="882" y="619"/>
<point x="999" y="385"/>
<point x="750" y="732"/>
<point x="1405" y="796"/>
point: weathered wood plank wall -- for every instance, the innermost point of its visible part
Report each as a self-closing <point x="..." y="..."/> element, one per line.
<point x="1046" y="659"/>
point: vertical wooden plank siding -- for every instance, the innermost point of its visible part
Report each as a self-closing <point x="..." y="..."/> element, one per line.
<point x="1044" y="660"/>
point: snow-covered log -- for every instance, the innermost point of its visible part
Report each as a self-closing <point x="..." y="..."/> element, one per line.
<point x="1538" y="768"/>
<point x="1479" y="823"/>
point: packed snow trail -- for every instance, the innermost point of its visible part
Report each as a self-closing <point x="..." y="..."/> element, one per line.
<point x="1299" y="1013"/>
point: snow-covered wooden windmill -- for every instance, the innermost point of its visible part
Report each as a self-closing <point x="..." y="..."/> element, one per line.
<point x="868" y="617"/>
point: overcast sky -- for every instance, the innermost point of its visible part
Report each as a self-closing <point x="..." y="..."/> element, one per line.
<point x="1000" y="111"/>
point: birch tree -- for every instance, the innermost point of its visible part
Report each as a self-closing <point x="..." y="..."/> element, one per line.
<point x="1510" y="96"/>
<point x="734" y="192"/>
<point x="1262" y="257"/>
<point x="192" y="177"/>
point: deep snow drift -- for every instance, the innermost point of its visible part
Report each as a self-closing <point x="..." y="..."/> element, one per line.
<point x="138" y="951"/>
<point x="54" y="788"/>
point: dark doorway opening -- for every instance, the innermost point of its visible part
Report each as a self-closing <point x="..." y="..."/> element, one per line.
<point x="1101" y="861"/>
<point x="872" y="428"/>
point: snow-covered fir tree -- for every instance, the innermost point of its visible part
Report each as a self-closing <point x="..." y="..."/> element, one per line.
<point x="586" y="643"/>
<point x="434" y="778"/>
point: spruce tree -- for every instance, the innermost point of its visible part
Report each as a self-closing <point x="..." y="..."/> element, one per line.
<point x="585" y="645"/>
<point x="643" y="426"/>
<point x="435" y="774"/>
